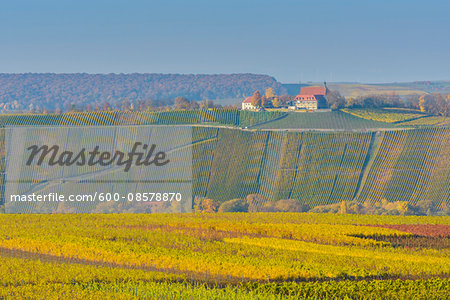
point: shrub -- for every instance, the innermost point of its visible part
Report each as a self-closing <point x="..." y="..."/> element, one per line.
<point x="254" y="200"/>
<point x="235" y="205"/>
<point x="290" y="205"/>
<point x="205" y="205"/>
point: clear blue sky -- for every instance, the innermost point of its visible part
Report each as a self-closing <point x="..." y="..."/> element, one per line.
<point x="380" y="41"/>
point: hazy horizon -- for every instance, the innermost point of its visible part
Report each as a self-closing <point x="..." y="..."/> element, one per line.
<point x="282" y="82"/>
<point x="293" y="41"/>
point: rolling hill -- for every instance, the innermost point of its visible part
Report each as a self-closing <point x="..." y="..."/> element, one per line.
<point x="363" y="163"/>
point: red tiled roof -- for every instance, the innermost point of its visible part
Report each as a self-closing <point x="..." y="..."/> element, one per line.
<point x="313" y="90"/>
<point x="248" y="100"/>
<point x="305" y="97"/>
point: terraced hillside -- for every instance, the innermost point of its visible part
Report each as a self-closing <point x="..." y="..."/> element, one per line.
<point x="399" y="116"/>
<point x="428" y="121"/>
<point x="315" y="168"/>
<point x="334" y="120"/>
<point x="218" y="116"/>
<point x="215" y="116"/>
<point x="385" y="115"/>
<point x="319" y="168"/>
<point x="411" y="165"/>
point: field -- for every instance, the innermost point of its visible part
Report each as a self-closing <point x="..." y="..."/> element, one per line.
<point x="254" y="255"/>
<point x="412" y="165"/>
<point x="357" y="89"/>
<point x="239" y="256"/>
<point x="223" y="117"/>
<point x="400" y="117"/>
<point x="227" y="117"/>
<point x="399" y="88"/>
<point x="428" y="121"/>
<point x="319" y="168"/>
<point x="322" y="168"/>
<point x="323" y="120"/>
<point x="385" y="115"/>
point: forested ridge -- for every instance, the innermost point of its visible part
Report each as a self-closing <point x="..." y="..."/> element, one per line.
<point x="62" y="91"/>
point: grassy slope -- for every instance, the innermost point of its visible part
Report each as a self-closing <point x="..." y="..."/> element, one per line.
<point x="217" y="116"/>
<point x="323" y="120"/>
<point x="324" y="167"/>
<point x="319" y="167"/>
<point x="428" y="121"/>
<point x="410" y="165"/>
<point x="400" y="117"/>
<point x="385" y="115"/>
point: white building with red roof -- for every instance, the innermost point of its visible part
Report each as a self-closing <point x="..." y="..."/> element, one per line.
<point x="247" y="104"/>
<point x="312" y="98"/>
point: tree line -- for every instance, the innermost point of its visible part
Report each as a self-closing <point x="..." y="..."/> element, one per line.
<point x="435" y="103"/>
<point x="383" y="207"/>
<point x="270" y="99"/>
<point x="64" y="92"/>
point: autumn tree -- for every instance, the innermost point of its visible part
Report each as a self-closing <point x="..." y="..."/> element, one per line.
<point x="395" y="100"/>
<point x="413" y="101"/>
<point x="285" y="99"/>
<point x="335" y="100"/>
<point x="202" y="204"/>
<point x="403" y="207"/>
<point x="235" y="205"/>
<point x="352" y="102"/>
<point x="209" y="205"/>
<point x="423" y="103"/>
<point x="442" y="106"/>
<point x="289" y="205"/>
<point x="447" y="101"/>
<point x="270" y="93"/>
<point x="106" y="106"/>
<point x="256" y="99"/>
<point x="264" y="101"/>
<point x="253" y="200"/>
<point x="125" y="105"/>
<point x="149" y="104"/>
<point x="276" y="102"/>
<point x="343" y="208"/>
<point x="205" y="104"/>
<point x="194" y="105"/>
<point x="181" y="103"/>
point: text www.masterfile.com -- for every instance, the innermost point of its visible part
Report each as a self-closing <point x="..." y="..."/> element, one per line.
<point x="102" y="197"/>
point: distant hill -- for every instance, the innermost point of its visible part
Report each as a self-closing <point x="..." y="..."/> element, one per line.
<point x="355" y="89"/>
<point x="441" y="86"/>
<point x="401" y="89"/>
<point x="51" y="91"/>
<point x="359" y="89"/>
<point x="293" y="89"/>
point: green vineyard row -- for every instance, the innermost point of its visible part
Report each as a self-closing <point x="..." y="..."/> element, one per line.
<point x="320" y="168"/>
<point x="315" y="168"/>
<point x="232" y="117"/>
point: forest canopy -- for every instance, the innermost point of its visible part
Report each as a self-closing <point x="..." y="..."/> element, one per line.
<point x="63" y="91"/>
